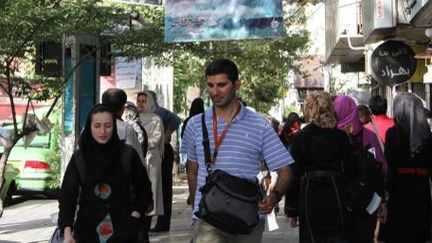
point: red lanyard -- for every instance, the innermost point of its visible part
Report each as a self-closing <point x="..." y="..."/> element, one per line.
<point x="218" y="140"/>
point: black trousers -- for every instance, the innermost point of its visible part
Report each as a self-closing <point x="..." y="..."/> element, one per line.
<point x="164" y="222"/>
<point x="144" y="227"/>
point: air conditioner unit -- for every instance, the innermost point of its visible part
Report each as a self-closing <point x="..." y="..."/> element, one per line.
<point x="379" y="19"/>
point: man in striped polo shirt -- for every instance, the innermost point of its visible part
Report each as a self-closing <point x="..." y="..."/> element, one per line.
<point x="242" y="138"/>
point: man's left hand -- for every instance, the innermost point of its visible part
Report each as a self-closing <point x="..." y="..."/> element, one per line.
<point x="266" y="205"/>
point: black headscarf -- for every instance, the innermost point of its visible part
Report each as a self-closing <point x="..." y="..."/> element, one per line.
<point x="98" y="156"/>
<point x="197" y="107"/>
<point x="409" y="113"/>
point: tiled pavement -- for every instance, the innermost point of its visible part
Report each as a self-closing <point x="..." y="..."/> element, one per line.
<point x="34" y="221"/>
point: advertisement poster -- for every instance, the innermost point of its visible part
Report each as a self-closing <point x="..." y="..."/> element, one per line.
<point x="127" y="72"/>
<point x="204" y="20"/>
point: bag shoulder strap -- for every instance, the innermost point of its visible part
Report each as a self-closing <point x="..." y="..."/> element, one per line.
<point x="205" y="142"/>
<point x="144" y="144"/>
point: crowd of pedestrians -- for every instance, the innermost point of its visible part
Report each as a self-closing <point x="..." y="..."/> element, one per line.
<point x="121" y="173"/>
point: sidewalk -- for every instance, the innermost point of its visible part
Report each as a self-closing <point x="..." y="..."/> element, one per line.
<point x="34" y="221"/>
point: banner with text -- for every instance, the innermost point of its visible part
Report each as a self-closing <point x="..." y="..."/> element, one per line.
<point x="204" y="20"/>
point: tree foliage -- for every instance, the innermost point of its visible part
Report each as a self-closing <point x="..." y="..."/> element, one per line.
<point x="24" y="24"/>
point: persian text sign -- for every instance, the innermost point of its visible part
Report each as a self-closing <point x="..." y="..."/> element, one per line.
<point x="203" y="20"/>
<point x="393" y="62"/>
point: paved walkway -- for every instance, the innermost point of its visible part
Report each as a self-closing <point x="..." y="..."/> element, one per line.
<point x="33" y="221"/>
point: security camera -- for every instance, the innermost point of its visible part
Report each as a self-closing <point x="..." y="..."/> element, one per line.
<point x="428" y="32"/>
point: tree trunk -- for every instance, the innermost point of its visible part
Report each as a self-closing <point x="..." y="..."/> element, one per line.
<point x="7" y="149"/>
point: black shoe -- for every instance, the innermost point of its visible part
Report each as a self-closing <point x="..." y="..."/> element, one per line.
<point x="158" y="229"/>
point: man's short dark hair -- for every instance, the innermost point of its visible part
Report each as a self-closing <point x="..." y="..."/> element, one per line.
<point x="114" y="98"/>
<point x="220" y="66"/>
<point x="378" y="105"/>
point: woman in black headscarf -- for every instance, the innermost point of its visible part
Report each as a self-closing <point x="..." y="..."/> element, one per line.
<point x="197" y="107"/>
<point x="408" y="150"/>
<point x="110" y="199"/>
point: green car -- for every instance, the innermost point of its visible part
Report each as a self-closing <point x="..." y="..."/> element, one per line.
<point x="9" y="187"/>
<point x="34" y="172"/>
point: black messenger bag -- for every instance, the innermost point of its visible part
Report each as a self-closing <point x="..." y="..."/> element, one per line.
<point x="228" y="203"/>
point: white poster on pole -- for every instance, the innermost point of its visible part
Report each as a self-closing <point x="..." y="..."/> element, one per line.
<point x="127" y="72"/>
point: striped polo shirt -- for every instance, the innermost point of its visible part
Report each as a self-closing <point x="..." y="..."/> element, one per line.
<point x="249" y="139"/>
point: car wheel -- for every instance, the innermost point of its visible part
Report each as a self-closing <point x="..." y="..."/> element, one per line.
<point x="8" y="199"/>
<point x="51" y="193"/>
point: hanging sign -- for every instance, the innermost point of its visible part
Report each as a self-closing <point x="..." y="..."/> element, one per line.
<point x="204" y="20"/>
<point x="392" y="63"/>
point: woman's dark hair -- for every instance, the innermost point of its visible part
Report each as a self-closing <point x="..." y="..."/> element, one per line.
<point x="364" y="114"/>
<point x="220" y="66"/>
<point x="290" y="120"/>
<point x="378" y="105"/>
<point x="141" y="93"/>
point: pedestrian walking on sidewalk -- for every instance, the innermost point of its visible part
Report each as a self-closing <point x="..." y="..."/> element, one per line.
<point x="408" y="150"/>
<point x="153" y="125"/>
<point x="237" y="139"/>
<point x="361" y="138"/>
<point x="197" y="107"/>
<point x="325" y="168"/>
<point x="108" y="197"/>
<point x="171" y="123"/>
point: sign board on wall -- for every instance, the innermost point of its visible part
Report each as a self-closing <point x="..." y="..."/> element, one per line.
<point x="393" y="62"/>
<point x="159" y="79"/>
<point x="127" y="72"/>
<point x="199" y="20"/>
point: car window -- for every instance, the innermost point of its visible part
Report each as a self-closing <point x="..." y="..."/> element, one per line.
<point x="39" y="141"/>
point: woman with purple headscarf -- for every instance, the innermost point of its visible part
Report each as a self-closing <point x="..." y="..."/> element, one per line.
<point x="408" y="150"/>
<point x="360" y="137"/>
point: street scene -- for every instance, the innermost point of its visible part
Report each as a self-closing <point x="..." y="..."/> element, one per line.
<point x="35" y="220"/>
<point x="138" y="121"/>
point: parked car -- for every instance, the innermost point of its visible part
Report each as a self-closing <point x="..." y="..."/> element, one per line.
<point x="34" y="175"/>
<point x="9" y="187"/>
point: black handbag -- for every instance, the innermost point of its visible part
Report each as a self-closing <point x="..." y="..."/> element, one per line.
<point x="228" y="203"/>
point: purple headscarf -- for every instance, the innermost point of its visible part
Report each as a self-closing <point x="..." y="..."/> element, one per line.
<point x="347" y="113"/>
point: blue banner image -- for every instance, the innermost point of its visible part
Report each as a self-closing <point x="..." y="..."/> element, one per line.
<point x="205" y="20"/>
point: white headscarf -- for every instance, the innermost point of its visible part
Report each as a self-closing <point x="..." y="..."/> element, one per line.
<point x="149" y="112"/>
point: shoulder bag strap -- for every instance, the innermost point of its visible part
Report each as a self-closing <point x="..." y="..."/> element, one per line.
<point x="206" y="143"/>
